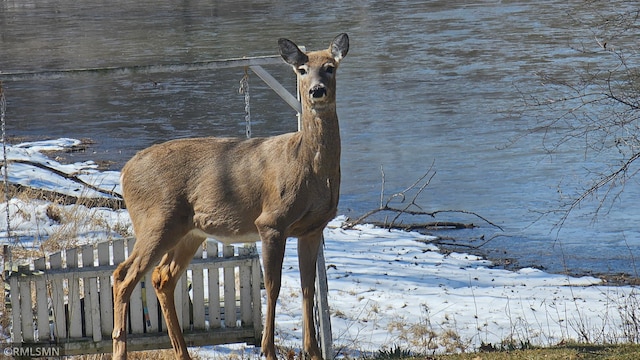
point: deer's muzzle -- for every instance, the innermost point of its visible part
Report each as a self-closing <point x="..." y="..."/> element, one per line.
<point x="318" y="91"/>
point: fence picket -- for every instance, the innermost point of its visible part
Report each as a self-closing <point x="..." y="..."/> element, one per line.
<point x="213" y="277"/>
<point x="16" y="335"/>
<point x="136" y="311"/>
<point x="151" y="317"/>
<point x="106" y="300"/>
<point x="118" y="256"/>
<point x="42" y="301"/>
<point x="86" y="253"/>
<point x="91" y="297"/>
<point x="245" y="289"/>
<point x="197" y="288"/>
<point x="74" y="309"/>
<point x="57" y="292"/>
<point x="229" y="289"/>
<point x="186" y="301"/>
<point x="177" y="297"/>
<point x="255" y="297"/>
<point x="118" y="251"/>
<point x="26" y="314"/>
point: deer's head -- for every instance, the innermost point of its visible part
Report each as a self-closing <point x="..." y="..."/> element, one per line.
<point x="316" y="70"/>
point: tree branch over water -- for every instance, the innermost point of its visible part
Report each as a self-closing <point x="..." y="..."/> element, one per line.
<point x="593" y="106"/>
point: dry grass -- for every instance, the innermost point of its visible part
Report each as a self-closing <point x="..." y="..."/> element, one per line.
<point x="167" y="354"/>
<point x="565" y="352"/>
<point x="71" y="216"/>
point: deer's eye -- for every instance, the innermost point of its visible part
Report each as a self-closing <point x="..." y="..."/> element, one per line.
<point x="329" y="69"/>
<point x="302" y="70"/>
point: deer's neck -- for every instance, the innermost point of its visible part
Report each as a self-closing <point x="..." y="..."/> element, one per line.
<point x="321" y="137"/>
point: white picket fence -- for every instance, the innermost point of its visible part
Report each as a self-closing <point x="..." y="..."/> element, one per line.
<point x="66" y="299"/>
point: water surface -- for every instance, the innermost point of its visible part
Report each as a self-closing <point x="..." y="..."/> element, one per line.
<point x="425" y="82"/>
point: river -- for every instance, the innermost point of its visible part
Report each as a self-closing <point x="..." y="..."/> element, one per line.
<point x="426" y="85"/>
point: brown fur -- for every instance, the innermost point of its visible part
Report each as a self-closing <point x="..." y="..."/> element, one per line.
<point x="234" y="190"/>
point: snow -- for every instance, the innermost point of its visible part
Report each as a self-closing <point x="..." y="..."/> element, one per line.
<point x="35" y="177"/>
<point x="392" y="288"/>
<point x="387" y="288"/>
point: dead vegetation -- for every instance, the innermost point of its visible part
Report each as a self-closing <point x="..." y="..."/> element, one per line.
<point x="165" y="354"/>
<point x="114" y="201"/>
<point x="71" y="216"/>
<point x="404" y="203"/>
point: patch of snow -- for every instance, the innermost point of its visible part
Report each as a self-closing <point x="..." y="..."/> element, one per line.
<point x="387" y="288"/>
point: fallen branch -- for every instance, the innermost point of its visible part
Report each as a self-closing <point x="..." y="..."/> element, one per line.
<point x="112" y="199"/>
<point x="432" y="225"/>
<point x="419" y="186"/>
<point x="64" y="199"/>
<point x="71" y="177"/>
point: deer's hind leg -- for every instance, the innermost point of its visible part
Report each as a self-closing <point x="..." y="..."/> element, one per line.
<point x="154" y="240"/>
<point x="165" y="278"/>
<point x="125" y="278"/>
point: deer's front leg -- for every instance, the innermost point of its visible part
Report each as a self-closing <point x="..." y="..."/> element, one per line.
<point x="273" y="246"/>
<point x="307" y="256"/>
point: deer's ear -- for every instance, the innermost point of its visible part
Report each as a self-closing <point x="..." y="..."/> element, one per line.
<point x="291" y="53"/>
<point x="340" y="46"/>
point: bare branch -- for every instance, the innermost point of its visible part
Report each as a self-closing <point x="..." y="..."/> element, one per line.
<point x="596" y="106"/>
<point x="419" y="186"/>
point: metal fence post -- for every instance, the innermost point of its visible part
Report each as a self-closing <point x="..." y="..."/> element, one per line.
<point x="322" y="306"/>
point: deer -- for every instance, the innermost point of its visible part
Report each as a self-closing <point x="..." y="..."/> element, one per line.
<point x="180" y="192"/>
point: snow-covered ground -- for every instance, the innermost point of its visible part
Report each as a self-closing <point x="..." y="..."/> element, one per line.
<point x="387" y="289"/>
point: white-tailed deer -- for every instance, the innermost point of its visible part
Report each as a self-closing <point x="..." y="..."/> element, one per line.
<point x="180" y="192"/>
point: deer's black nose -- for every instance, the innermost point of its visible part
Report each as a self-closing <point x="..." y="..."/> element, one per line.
<point x="318" y="91"/>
